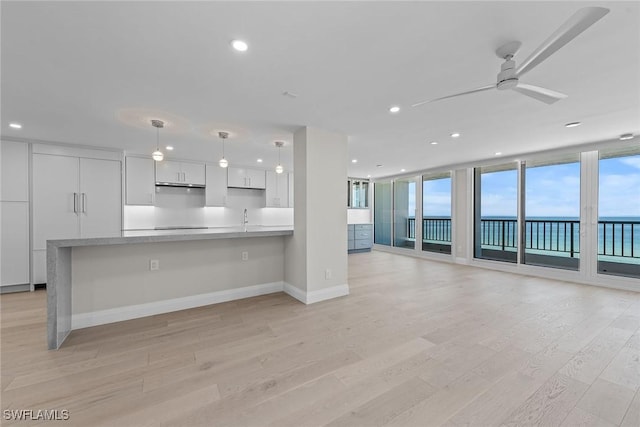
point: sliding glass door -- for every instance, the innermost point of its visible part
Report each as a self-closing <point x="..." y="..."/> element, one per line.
<point x="404" y="213"/>
<point x="436" y="213"/>
<point x="619" y="212"/>
<point x="382" y="212"/>
<point x="496" y="213"/>
<point x="552" y="213"/>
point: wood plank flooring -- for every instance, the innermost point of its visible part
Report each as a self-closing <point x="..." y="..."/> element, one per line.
<point x="416" y="343"/>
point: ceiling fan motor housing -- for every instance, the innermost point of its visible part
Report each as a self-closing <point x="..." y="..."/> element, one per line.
<point x="507" y="78"/>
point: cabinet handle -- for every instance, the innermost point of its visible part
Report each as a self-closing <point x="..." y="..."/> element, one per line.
<point x="84" y="203"/>
<point x="75" y="203"/>
<point x="184" y="177"/>
<point x="177" y="176"/>
<point x="249" y="181"/>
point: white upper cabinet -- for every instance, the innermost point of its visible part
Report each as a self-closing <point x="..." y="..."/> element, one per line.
<point x="216" y="188"/>
<point x="277" y="194"/>
<point x="14" y="171"/>
<point x="246" y="178"/>
<point x="172" y="172"/>
<point x="140" y="181"/>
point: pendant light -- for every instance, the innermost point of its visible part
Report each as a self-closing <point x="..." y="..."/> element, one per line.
<point x="279" y="144"/>
<point x="157" y="155"/>
<point x="223" y="162"/>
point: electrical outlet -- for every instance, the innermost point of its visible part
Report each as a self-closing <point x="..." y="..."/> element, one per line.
<point x="154" y="264"/>
<point x="245" y="256"/>
<point x="328" y="274"/>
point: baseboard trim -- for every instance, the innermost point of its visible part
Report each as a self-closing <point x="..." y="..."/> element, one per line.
<point x="101" y="317"/>
<point x="316" y="296"/>
<point x="9" y="289"/>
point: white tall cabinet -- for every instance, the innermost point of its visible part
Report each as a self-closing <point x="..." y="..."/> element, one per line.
<point x="14" y="214"/>
<point x="277" y="190"/>
<point x="73" y="196"/>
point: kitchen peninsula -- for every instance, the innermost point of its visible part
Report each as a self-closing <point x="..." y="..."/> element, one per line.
<point x="93" y="281"/>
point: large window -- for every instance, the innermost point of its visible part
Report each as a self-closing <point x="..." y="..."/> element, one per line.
<point x="436" y="213"/>
<point x="382" y="213"/>
<point x="552" y="213"/>
<point x="496" y="213"/>
<point x="619" y="213"/>
<point x="404" y="209"/>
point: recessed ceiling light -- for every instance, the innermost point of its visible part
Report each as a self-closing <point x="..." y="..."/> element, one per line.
<point x="394" y="109"/>
<point x="259" y="160"/>
<point x="626" y="136"/>
<point x="354" y="161"/>
<point x="378" y="166"/>
<point x="169" y="147"/>
<point x="368" y="176"/>
<point x="498" y="153"/>
<point x="455" y="135"/>
<point x="289" y="94"/>
<point x="402" y="170"/>
<point x="240" y="45"/>
<point x="15" y="125"/>
<point x="434" y="142"/>
<point x="572" y="124"/>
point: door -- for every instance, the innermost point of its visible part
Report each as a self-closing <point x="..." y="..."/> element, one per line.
<point x="55" y="199"/>
<point x="140" y="181"/>
<point x="256" y="178"/>
<point x="168" y="171"/>
<point x="193" y="173"/>
<point x="100" y="198"/>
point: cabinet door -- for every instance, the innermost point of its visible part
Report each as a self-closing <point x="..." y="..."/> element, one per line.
<point x="140" y="182"/>
<point x="290" y="185"/>
<point x="55" y="199"/>
<point x="169" y="171"/>
<point x="276" y="190"/>
<point x="215" y="192"/>
<point x="237" y="177"/>
<point x="256" y="178"/>
<point x="14" y="171"/>
<point x="193" y="173"/>
<point x="15" y="243"/>
<point x="100" y="198"/>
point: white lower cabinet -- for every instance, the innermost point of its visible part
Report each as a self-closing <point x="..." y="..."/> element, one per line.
<point x="15" y="243"/>
<point x="73" y="197"/>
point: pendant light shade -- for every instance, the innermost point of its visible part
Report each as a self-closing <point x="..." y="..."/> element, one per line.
<point x="157" y="155"/>
<point x="223" y="162"/>
<point x="279" y="168"/>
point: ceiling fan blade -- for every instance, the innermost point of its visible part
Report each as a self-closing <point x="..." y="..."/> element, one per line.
<point x="580" y="21"/>
<point x="547" y="96"/>
<point x="480" y="89"/>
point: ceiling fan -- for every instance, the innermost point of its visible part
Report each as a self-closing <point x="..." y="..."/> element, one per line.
<point x="509" y="76"/>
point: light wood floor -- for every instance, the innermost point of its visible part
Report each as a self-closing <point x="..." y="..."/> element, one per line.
<point x="417" y="343"/>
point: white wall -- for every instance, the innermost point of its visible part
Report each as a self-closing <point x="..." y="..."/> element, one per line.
<point x="359" y="216"/>
<point x="319" y="243"/>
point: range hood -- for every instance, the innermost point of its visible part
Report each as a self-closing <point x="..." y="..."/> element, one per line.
<point x="178" y="184"/>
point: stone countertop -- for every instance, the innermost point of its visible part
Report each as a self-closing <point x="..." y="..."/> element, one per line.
<point x="179" y="235"/>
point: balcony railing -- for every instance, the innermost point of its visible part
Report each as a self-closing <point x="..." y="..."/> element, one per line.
<point x="616" y="238"/>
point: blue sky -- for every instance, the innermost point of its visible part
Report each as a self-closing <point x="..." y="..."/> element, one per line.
<point x="436" y="197"/>
<point x="551" y="191"/>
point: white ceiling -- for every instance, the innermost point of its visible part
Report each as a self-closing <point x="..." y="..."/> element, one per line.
<point x="95" y="72"/>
